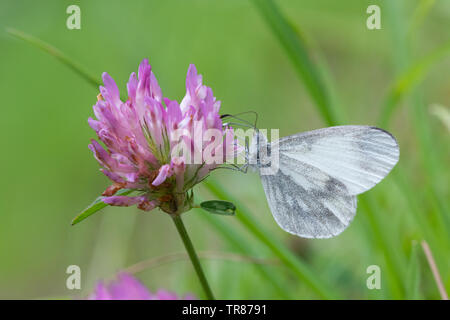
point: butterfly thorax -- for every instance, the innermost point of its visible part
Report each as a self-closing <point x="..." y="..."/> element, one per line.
<point x="257" y="155"/>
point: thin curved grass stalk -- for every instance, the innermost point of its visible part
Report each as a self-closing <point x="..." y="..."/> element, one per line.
<point x="442" y="113"/>
<point x="434" y="270"/>
<point x="413" y="271"/>
<point x="408" y="80"/>
<point x="55" y="52"/>
<point x="206" y="255"/>
<point x="293" y="262"/>
<point x="432" y="165"/>
<point x="414" y="207"/>
<point x="420" y="13"/>
<point x="394" y="264"/>
<point x="237" y="242"/>
<point x="297" y="51"/>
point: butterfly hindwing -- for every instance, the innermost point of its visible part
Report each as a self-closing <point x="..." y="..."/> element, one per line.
<point x="306" y="201"/>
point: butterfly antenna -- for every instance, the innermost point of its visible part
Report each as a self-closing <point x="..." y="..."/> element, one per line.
<point x="242" y="123"/>
<point x="247" y="112"/>
<point x="235" y="116"/>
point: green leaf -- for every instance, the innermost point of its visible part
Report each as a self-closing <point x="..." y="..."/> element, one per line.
<point x="219" y="207"/>
<point x="97" y="205"/>
<point x="297" y="50"/>
<point x="413" y="274"/>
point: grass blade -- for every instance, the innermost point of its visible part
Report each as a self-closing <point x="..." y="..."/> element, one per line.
<point x="394" y="265"/>
<point x="297" y="51"/>
<point x="97" y="205"/>
<point x="434" y="270"/>
<point x="420" y="13"/>
<point x="408" y="80"/>
<point x="239" y="243"/>
<point x="48" y="48"/>
<point x="410" y="76"/>
<point x="291" y="261"/>
<point x="432" y="164"/>
<point x="413" y="274"/>
<point x="442" y="113"/>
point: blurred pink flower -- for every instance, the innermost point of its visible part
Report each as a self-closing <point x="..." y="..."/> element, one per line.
<point x="144" y="140"/>
<point x="127" y="287"/>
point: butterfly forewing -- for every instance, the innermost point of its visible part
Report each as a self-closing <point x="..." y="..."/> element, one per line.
<point x="358" y="156"/>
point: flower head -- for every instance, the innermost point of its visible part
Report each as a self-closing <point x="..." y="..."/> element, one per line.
<point x="127" y="287"/>
<point x="157" y="146"/>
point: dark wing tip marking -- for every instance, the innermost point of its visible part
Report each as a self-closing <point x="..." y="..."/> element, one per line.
<point x="387" y="132"/>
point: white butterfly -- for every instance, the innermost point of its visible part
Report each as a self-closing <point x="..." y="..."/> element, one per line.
<point x="313" y="192"/>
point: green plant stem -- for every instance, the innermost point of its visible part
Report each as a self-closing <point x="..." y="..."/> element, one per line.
<point x="297" y="266"/>
<point x="287" y="257"/>
<point x="192" y="255"/>
<point x="240" y="243"/>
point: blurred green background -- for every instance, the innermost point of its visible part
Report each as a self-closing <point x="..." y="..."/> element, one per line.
<point x="49" y="175"/>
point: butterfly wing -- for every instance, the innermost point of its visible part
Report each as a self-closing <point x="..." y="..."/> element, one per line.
<point x="313" y="194"/>
<point x="307" y="202"/>
<point x="358" y="156"/>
